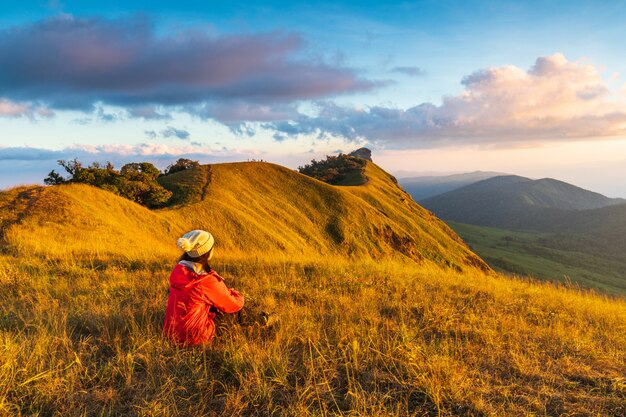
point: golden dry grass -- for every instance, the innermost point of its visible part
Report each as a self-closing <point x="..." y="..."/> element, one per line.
<point x="364" y="329"/>
<point x="370" y="339"/>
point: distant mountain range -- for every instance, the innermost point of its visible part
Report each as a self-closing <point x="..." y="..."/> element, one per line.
<point x="517" y="203"/>
<point x="567" y="231"/>
<point x="423" y="187"/>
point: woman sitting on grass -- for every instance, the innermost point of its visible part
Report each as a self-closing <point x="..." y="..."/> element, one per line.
<point x="197" y="293"/>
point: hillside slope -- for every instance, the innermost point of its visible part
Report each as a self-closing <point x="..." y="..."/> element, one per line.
<point x="253" y="209"/>
<point x="513" y="202"/>
<point x="260" y="207"/>
<point x="591" y="260"/>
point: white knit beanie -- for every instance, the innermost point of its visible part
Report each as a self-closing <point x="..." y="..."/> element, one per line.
<point x="196" y="243"/>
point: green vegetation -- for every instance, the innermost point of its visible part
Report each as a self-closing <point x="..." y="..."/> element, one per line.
<point x="135" y="181"/>
<point x="181" y="165"/>
<point x="187" y="186"/>
<point x="140" y="182"/>
<point x="515" y="203"/>
<point x="584" y="259"/>
<point x="543" y="228"/>
<point x="383" y="310"/>
<point x="338" y="170"/>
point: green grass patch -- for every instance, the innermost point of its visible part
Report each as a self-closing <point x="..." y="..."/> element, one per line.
<point x="556" y="257"/>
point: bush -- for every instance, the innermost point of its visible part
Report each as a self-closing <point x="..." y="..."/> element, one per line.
<point x="135" y="181"/>
<point x="181" y="165"/>
<point x="333" y="169"/>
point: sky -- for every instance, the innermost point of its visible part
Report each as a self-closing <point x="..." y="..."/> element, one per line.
<point x="528" y="88"/>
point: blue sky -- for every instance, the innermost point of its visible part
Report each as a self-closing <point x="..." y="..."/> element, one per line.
<point x="532" y="88"/>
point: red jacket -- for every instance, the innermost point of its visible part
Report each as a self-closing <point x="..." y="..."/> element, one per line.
<point x="188" y="319"/>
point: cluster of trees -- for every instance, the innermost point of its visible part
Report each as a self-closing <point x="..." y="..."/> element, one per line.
<point x="136" y="181"/>
<point x="181" y="165"/>
<point x="333" y="169"/>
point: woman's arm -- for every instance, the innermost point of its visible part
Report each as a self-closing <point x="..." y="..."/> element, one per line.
<point x="226" y="299"/>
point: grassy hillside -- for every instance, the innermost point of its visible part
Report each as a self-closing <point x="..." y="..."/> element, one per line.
<point x="383" y="311"/>
<point x="606" y="221"/>
<point x="516" y="203"/>
<point x="187" y="186"/>
<point x="589" y="260"/>
<point x="83" y="223"/>
<point x="250" y="215"/>
<point x="258" y="207"/>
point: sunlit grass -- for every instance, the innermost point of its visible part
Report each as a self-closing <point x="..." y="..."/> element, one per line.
<point x="363" y="328"/>
<point x="369" y="339"/>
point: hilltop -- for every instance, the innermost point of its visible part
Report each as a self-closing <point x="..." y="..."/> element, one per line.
<point x="513" y="202"/>
<point x="305" y="216"/>
<point x="241" y="204"/>
<point x="423" y="187"/>
<point x="382" y="309"/>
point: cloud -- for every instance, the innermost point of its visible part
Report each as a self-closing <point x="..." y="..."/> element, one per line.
<point x="28" y="154"/>
<point x="75" y="63"/>
<point x="170" y="132"/>
<point x="141" y="149"/>
<point x="116" y="152"/>
<point x="104" y="116"/>
<point x="149" y="113"/>
<point x="410" y="71"/>
<point x="174" y="132"/>
<point x="98" y="113"/>
<point x="241" y="111"/>
<point x="555" y="99"/>
<point x="279" y="137"/>
<point x="12" y="109"/>
<point x="239" y="115"/>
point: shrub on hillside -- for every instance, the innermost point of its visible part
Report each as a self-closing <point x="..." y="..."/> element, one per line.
<point x="333" y="169"/>
<point x="135" y="181"/>
<point x="181" y="165"/>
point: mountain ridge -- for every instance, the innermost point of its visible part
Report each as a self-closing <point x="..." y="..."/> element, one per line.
<point x="568" y="231"/>
<point x="514" y="202"/>
<point x="422" y="187"/>
<point x="249" y="215"/>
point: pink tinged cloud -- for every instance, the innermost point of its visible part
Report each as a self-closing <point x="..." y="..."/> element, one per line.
<point x="74" y="62"/>
<point x="13" y="109"/>
<point x="141" y="149"/>
<point x="555" y="99"/>
<point x="87" y="153"/>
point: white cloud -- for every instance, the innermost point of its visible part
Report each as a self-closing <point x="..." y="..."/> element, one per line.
<point x="122" y="153"/>
<point x="555" y="99"/>
<point x="141" y="149"/>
